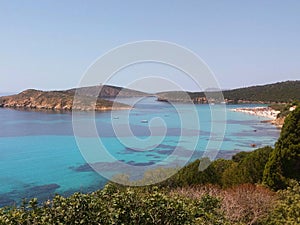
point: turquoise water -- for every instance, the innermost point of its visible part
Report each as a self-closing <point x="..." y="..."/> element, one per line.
<point x="39" y="155"/>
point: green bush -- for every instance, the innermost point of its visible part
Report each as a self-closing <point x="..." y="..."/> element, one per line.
<point x="246" y="167"/>
<point x="214" y="172"/>
<point x="117" y="206"/>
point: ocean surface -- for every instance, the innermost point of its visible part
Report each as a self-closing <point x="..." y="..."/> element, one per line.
<point x="39" y="155"/>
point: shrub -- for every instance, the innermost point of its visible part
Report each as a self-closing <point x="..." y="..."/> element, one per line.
<point x="246" y="167"/>
<point x="242" y="204"/>
<point x="117" y="206"/>
<point x="247" y="203"/>
<point x="287" y="208"/>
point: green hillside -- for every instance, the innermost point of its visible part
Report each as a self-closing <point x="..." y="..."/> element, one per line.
<point x="287" y="91"/>
<point x="278" y="92"/>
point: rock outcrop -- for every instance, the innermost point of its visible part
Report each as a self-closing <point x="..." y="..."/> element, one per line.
<point x="278" y="121"/>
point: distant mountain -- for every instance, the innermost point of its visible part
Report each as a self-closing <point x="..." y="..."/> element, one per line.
<point x="63" y="100"/>
<point x="278" y="92"/>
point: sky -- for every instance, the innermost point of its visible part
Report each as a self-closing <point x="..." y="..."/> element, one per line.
<point x="50" y="44"/>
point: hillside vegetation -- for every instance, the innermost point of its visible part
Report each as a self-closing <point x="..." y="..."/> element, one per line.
<point x="287" y="91"/>
<point x="278" y="92"/>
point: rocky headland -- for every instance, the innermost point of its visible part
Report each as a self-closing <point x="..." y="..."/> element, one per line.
<point x="87" y="98"/>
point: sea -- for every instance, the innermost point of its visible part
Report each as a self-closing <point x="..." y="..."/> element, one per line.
<point x="42" y="153"/>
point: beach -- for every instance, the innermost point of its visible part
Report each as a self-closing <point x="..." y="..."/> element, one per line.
<point x="266" y="112"/>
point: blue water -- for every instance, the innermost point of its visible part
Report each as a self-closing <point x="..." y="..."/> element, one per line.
<point x="39" y="155"/>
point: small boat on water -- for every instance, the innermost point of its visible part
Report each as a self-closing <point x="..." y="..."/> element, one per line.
<point x="144" y="121"/>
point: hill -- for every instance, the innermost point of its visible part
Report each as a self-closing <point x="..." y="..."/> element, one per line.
<point x="271" y="93"/>
<point x="107" y="91"/>
<point x="63" y="100"/>
<point x="278" y="92"/>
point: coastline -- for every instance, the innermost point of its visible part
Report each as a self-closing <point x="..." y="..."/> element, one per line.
<point x="266" y="112"/>
<point x="66" y="108"/>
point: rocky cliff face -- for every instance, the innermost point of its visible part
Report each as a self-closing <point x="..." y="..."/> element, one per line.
<point x="57" y="100"/>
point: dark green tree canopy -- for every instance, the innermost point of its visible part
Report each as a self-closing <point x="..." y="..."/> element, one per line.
<point x="284" y="161"/>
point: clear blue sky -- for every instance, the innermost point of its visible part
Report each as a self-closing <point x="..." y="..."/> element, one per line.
<point x="49" y="44"/>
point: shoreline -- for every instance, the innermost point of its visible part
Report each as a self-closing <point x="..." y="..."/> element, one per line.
<point x="266" y="112"/>
<point x="63" y="110"/>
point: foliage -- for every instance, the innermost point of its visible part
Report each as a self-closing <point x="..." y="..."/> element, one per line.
<point x="242" y="204"/>
<point x="284" y="161"/>
<point x="247" y="167"/>
<point x="247" y="203"/>
<point x="151" y="176"/>
<point x="188" y="175"/>
<point x="280" y="92"/>
<point x="238" y="157"/>
<point x="284" y="108"/>
<point x="192" y="174"/>
<point x="287" y="209"/>
<point x="117" y="206"/>
<point x="214" y="172"/>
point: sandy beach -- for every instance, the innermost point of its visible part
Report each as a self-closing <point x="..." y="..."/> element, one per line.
<point x="259" y="111"/>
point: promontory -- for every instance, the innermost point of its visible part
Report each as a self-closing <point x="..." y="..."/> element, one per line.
<point x="87" y="98"/>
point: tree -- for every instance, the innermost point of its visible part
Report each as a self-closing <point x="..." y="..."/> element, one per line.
<point x="246" y="167"/>
<point x="284" y="161"/>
